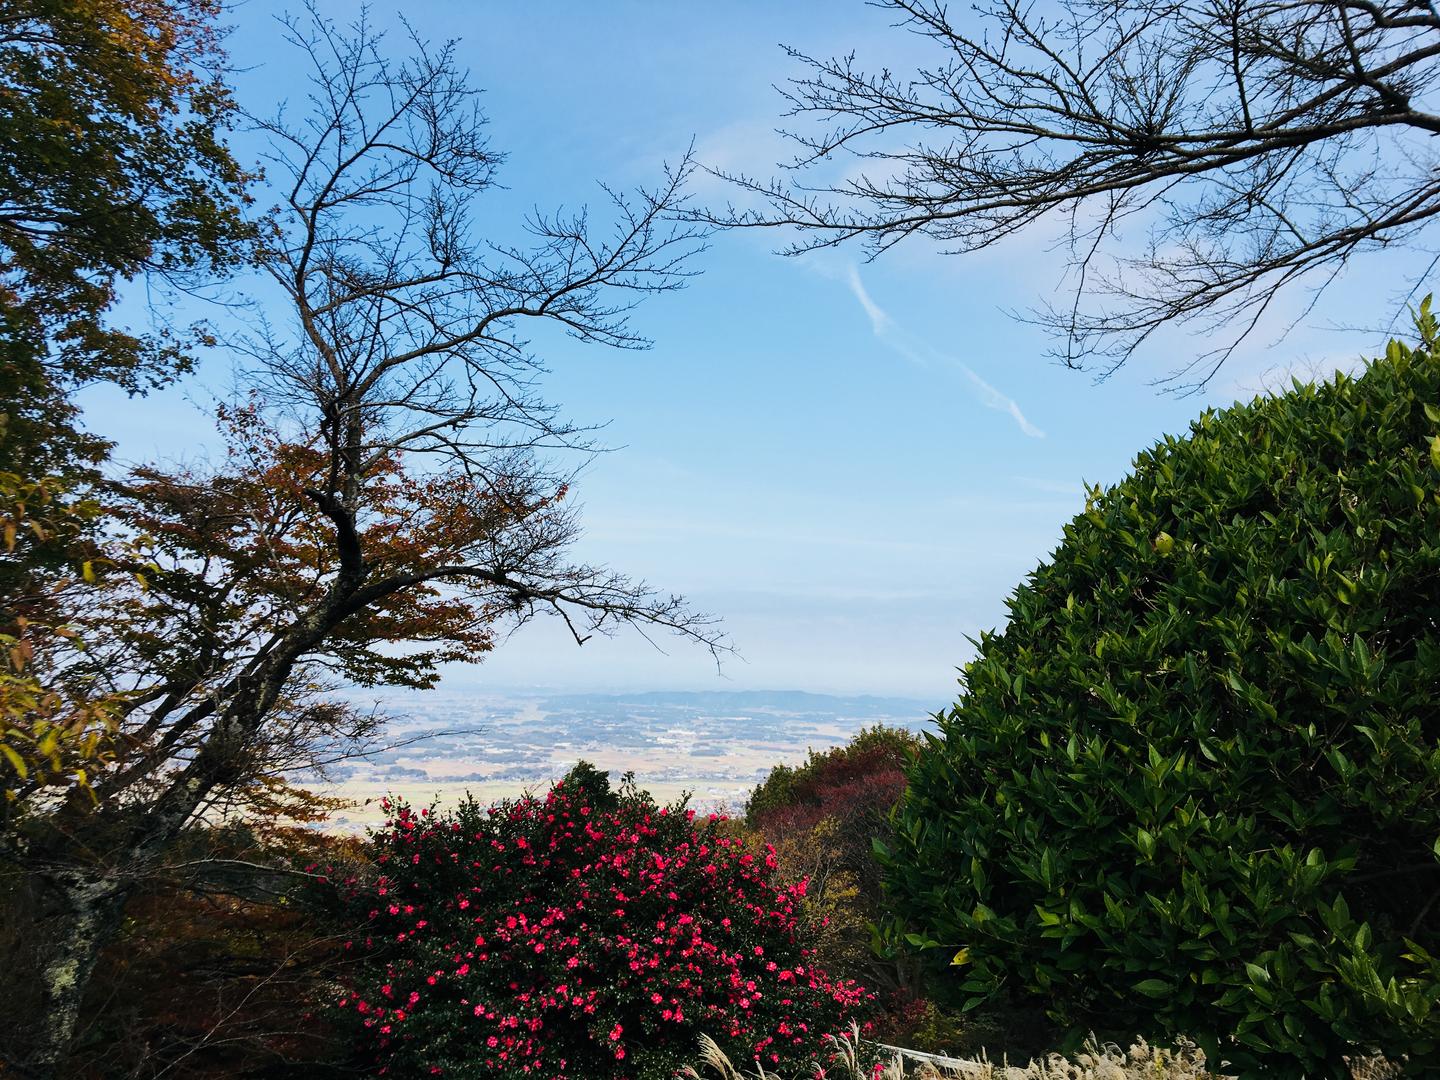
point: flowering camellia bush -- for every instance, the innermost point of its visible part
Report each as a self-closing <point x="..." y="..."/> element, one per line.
<point x="586" y="934"/>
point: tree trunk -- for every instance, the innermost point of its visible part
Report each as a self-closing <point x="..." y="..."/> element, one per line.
<point x="81" y="906"/>
<point x="81" y="912"/>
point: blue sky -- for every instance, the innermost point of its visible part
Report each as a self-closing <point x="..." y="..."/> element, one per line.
<point x="851" y="463"/>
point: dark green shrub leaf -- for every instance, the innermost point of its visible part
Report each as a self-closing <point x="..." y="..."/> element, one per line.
<point x="1222" y="778"/>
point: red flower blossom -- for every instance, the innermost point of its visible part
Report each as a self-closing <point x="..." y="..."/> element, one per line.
<point x="543" y="929"/>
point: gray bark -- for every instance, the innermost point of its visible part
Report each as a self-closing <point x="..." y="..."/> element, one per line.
<point x="84" y="910"/>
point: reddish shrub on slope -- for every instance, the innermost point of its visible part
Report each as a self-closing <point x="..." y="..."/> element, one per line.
<point x="586" y="934"/>
<point x="823" y="817"/>
<point x="857" y="784"/>
<point x="860" y="803"/>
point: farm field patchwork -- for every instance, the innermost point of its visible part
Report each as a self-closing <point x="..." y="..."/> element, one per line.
<point x="714" y="745"/>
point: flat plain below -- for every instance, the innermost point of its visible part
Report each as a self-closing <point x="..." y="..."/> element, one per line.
<point x="713" y="745"/>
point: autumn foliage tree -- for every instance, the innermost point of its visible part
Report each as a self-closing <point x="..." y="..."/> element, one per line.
<point x="219" y="975"/>
<point x="823" y="816"/>
<point x="389" y="493"/>
<point x="112" y="163"/>
<point x="825" y="819"/>
<point x="113" y="166"/>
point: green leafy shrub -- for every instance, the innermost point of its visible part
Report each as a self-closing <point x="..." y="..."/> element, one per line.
<point x="1194" y="786"/>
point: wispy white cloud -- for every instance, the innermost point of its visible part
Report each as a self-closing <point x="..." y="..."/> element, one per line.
<point x="905" y="344"/>
<point x="879" y="321"/>
<point x="996" y="400"/>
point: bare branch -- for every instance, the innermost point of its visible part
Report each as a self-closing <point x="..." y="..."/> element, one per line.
<point x="1252" y="145"/>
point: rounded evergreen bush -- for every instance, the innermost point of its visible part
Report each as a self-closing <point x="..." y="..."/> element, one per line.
<point x="587" y="934"/>
<point x="1193" y="788"/>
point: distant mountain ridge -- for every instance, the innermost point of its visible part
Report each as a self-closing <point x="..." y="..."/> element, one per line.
<point x="802" y="701"/>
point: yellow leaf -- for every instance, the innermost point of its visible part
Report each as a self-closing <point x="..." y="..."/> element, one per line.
<point x="16" y="760"/>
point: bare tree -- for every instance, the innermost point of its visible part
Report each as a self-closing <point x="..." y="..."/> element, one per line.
<point x="391" y="495"/>
<point x="1200" y="156"/>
